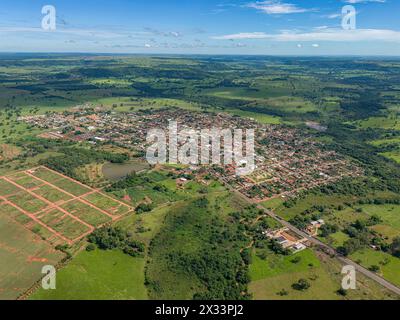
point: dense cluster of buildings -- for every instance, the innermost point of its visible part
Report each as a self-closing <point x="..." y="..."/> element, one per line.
<point x="286" y="160"/>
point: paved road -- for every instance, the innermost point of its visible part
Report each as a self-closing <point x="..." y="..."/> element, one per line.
<point x="317" y="242"/>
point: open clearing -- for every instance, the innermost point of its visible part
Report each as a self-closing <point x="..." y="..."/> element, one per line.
<point x="389" y="266"/>
<point x="99" y="275"/>
<point x="270" y="279"/>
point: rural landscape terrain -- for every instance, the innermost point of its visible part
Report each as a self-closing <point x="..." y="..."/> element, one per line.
<point x="77" y="193"/>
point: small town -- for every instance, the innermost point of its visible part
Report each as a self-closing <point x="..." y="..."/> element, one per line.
<point x="287" y="161"/>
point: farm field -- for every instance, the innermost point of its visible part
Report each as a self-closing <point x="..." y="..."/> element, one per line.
<point x="22" y="255"/>
<point x="98" y="275"/>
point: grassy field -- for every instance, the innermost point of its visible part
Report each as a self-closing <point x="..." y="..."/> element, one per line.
<point x="337" y="239"/>
<point x="324" y="277"/>
<point x="9" y="152"/>
<point x="310" y="201"/>
<point x="389" y="214"/>
<point x="275" y="265"/>
<point x="391" y="123"/>
<point x="99" y="275"/>
<point x="389" y="266"/>
<point x="381" y="142"/>
<point x="277" y="273"/>
<point x="393" y="155"/>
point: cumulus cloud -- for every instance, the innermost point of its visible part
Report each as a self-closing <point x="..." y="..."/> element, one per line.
<point x="276" y="7"/>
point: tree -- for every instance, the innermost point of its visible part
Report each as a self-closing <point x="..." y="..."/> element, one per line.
<point x="342" y="292"/>
<point x="90" y="247"/>
<point x="374" y="268"/>
<point x="395" y="247"/>
<point x="143" y="207"/>
<point x="301" y="285"/>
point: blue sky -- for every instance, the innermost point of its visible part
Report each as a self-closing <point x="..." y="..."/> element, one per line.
<point x="272" y="27"/>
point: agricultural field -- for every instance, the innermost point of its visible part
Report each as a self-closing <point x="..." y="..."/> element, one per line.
<point x="22" y="254"/>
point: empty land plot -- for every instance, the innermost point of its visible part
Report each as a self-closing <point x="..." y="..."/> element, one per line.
<point x="71" y="187"/>
<point x="52" y="217"/>
<point x="56" y="179"/>
<point x="9" y="211"/>
<point x="67" y="226"/>
<point x="51" y="194"/>
<point x="108" y="204"/>
<point x="7" y="188"/>
<point x="27" y="182"/>
<point x="22" y="256"/>
<point x="17" y="176"/>
<point x="27" y="202"/>
<point x="45" y="174"/>
<point x="86" y="213"/>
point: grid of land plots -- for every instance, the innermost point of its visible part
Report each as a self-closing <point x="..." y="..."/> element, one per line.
<point x="56" y="207"/>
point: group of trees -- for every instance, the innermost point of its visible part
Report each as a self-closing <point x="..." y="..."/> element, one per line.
<point x="109" y="238"/>
<point x="200" y="246"/>
<point x="74" y="157"/>
<point x="361" y="236"/>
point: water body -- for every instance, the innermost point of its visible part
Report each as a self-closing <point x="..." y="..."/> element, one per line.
<point x="118" y="171"/>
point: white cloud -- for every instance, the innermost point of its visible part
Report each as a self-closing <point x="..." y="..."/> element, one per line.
<point x="243" y="35"/>
<point x="363" y="1"/>
<point x="74" y="32"/>
<point x="333" y="34"/>
<point x="276" y="7"/>
<point x="315" y="45"/>
<point x="334" y="16"/>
